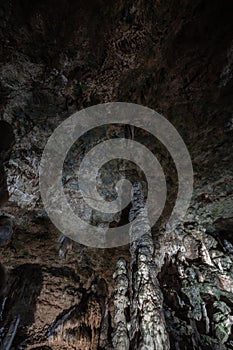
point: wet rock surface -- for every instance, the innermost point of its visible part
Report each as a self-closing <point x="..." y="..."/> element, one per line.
<point x="172" y="288"/>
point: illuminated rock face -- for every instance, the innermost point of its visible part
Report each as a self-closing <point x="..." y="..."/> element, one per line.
<point x="169" y="287"/>
<point x="120" y="338"/>
<point x="147" y="327"/>
<point x="140" y="294"/>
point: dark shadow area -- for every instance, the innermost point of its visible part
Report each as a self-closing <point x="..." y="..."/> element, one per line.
<point x="23" y="286"/>
<point x="7" y="139"/>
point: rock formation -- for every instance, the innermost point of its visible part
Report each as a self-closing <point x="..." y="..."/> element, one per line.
<point x="167" y="288"/>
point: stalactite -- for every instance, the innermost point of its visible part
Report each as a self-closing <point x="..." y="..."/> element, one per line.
<point x="80" y="326"/>
<point x="103" y="339"/>
<point x="65" y="245"/>
<point x="3" y="308"/>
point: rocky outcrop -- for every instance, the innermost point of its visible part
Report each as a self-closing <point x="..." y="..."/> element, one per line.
<point x="196" y="286"/>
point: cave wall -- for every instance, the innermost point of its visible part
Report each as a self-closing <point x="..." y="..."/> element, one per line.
<point x="59" y="57"/>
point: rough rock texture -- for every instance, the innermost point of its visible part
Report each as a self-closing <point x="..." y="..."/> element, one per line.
<point x="174" y="56"/>
<point x="147" y="327"/>
<point x="120" y="339"/>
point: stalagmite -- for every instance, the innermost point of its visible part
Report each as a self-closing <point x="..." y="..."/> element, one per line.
<point x="120" y="338"/>
<point x="147" y="326"/>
